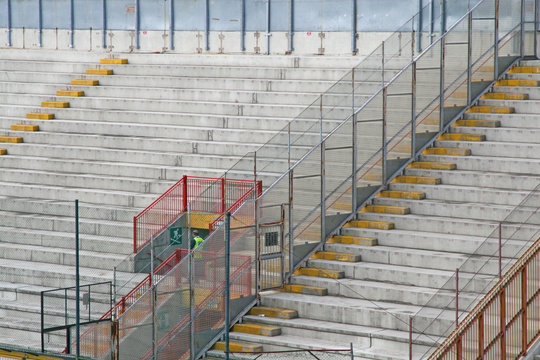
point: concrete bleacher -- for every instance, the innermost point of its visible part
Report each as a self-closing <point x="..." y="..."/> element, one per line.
<point x="120" y="146"/>
<point x="367" y="282"/>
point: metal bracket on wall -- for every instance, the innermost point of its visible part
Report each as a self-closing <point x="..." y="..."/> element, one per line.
<point x="199" y="38"/>
<point x="322" y="36"/>
<point x="221" y="37"/>
<point x="257" y="48"/>
<point x="111" y="46"/>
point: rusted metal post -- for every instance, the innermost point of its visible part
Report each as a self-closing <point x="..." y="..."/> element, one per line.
<point x="500" y="250"/>
<point x="457" y="297"/>
<point x="524" y="310"/>
<point x="503" y="324"/>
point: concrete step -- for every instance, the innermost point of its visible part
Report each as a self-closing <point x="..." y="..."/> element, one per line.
<point x="508" y="135"/>
<point x="377" y="291"/>
<point x="494" y="148"/>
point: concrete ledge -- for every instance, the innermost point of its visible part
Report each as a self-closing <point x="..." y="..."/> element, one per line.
<point x="331" y="274"/>
<point x="11" y="139"/>
<point x="257" y="329"/>
<point x="304" y="289"/>
<point x="238" y="347"/>
<point x="417" y="180"/>
<point x="273" y="312"/>
<point x="99" y="72"/>
<point x="113" y="61"/>
<point x="55" y="104"/>
<point x="382" y="209"/>
<point x="69" y="93"/>
<point x="353" y="240"/>
<point x="432" y="165"/>
<point x="85" y="82"/>
<point x="18" y="127"/>
<point x="370" y="224"/>
<point x="402" y="194"/>
<point x="336" y="256"/>
<point x="462" y="137"/>
<point x="39" y="116"/>
<point x="447" y="151"/>
<point x="478" y="123"/>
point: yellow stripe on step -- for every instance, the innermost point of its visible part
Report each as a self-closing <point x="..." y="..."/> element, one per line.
<point x="505" y="96"/>
<point x="113" y="61"/>
<point x="432" y="165"/>
<point x="3" y="152"/>
<point x="73" y="93"/>
<point x="447" y="151"/>
<point x="367" y="224"/>
<point x="384" y="209"/>
<point x="478" y="123"/>
<point x="402" y="194"/>
<point x="462" y="137"/>
<point x="11" y="139"/>
<point x="491" y="109"/>
<point x="39" y="116"/>
<point x="304" y="289"/>
<point x="524" y="70"/>
<point x="99" y="71"/>
<point x="54" y="104"/>
<point x="273" y="312"/>
<point x="516" y="82"/>
<point x="428" y="180"/>
<point x="336" y="256"/>
<point x="324" y="273"/>
<point x="85" y="82"/>
<point x="19" y="127"/>
<point x="353" y="240"/>
<point x="256" y="329"/>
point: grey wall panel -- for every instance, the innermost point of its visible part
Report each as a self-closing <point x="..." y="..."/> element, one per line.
<point x="154" y="14"/>
<point x="24" y="13"/>
<point x="88" y="14"/>
<point x="279" y="15"/>
<point x="3" y="14"/>
<point x="384" y="15"/>
<point x="120" y="14"/>
<point x="255" y="15"/>
<point x="322" y="15"/>
<point x="55" y="14"/>
<point x="225" y="15"/>
<point x="189" y="15"/>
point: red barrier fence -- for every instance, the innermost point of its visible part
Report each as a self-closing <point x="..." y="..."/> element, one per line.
<point x="204" y="194"/>
<point x="505" y="322"/>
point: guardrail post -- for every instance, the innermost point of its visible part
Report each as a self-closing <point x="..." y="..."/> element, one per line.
<point x="77" y="284"/>
<point x="291" y="26"/>
<point x="323" y="192"/>
<point x="524" y="310"/>
<point x="469" y="59"/>
<point x="441" y="84"/>
<point x="413" y="111"/>
<point x="256" y="221"/>
<point x="243" y="26"/>
<point x="137" y="24"/>
<point x="481" y="335"/>
<point x="522" y="30"/>
<point x="496" y="43"/>
<point x="443" y="16"/>
<point x="420" y="26"/>
<point x="227" y="281"/>
<point x="410" y="337"/>
<point x="184" y="193"/>
<point x="503" y="323"/>
<point x="354" y="147"/>
<point x="268" y="9"/>
<point x="291" y="227"/>
<point x="431" y="20"/>
<point x="382" y="63"/>
<point x="207" y="25"/>
<point x="535" y="30"/>
<point x="223" y="201"/>
<point x="500" y="250"/>
<point x="457" y="297"/>
<point x="385" y="91"/>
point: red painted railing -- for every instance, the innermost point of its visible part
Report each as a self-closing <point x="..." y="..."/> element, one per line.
<point x="204" y="194"/>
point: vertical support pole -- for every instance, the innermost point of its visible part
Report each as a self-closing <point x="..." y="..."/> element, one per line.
<point x="321" y="117"/>
<point x="268" y="6"/>
<point x="382" y="63"/>
<point x="223" y="201"/>
<point x="104" y="24"/>
<point x="185" y="193"/>
<point x="257" y="232"/>
<point x="291" y="209"/>
<point x="535" y="30"/>
<point x="413" y="111"/>
<point x="71" y="24"/>
<point x="524" y="310"/>
<point x="469" y="59"/>
<point x="413" y="42"/>
<point x="410" y="337"/>
<point x="207" y="25"/>
<point x="291" y="26"/>
<point x="354" y="49"/>
<point x="385" y="93"/>
<point x="323" y="193"/>
<point x="9" y="22"/>
<point x="496" y="42"/>
<point x="243" y="26"/>
<point x="42" y="324"/>
<point x="500" y="250"/>
<point x="431" y="20"/>
<point x="441" y="84"/>
<point x="354" y="148"/>
<point x="191" y="266"/>
<point x="420" y="26"/>
<point x="115" y="309"/>
<point x="227" y="281"/>
<point x="457" y="297"/>
<point x="352" y="352"/>
<point x="522" y="31"/>
<point x="137" y="24"/>
<point x="503" y="323"/>
<point x="171" y="24"/>
<point x="77" y="284"/>
<point x="443" y="16"/>
<point x="40" y="24"/>
<point x="154" y="298"/>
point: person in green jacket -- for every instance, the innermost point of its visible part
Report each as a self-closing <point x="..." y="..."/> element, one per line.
<point x="199" y="261"/>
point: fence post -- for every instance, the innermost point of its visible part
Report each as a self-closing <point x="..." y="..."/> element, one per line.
<point x="382" y="63"/>
<point x="223" y="202"/>
<point x="171" y="25"/>
<point x="496" y="43"/>
<point x="207" y="25"/>
<point x="522" y="30"/>
<point x="291" y="227"/>
<point x="191" y="267"/>
<point x="441" y="84"/>
<point x="385" y="91"/>
<point x="354" y="148"/>
<point x="413" y="111"/>
<point x="524" y="310"/>
<point x="256" y="222"/>
<point x="154" y="299"/>
<point x="481" y="335"/>
<point x="354" y="49"/>
<point x="227" y="281"/>
<point x="443" y="16"/>
<point x="77" y="283"/>
<point x="243" y="26"/>
<point x="9" y="22"/>
<point x="410" y="337"/>
<point x="185" y="193"/>
<point x="352" y="352"/>
<point x="420" y="26"/>
<point x="469" y="57"/>
<point x="323" y="192"/>
<point x="431" y="20"/>
<point x="500" y="250"/>
<point x="503" y="323"/>
<point x="457" y="297"/>
<point x="535" y="28"/>
<point x="104" y="23"/>
<point x="268" y="17"/>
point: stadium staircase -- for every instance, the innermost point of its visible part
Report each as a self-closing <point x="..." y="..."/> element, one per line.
<point x="116" y="133"/>
<point x="402" y="248"/>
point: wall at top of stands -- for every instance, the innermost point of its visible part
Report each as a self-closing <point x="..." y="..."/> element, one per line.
<point x="162" y="25"/>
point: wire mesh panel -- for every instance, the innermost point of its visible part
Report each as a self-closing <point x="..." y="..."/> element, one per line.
<point x="271" y="252"/>
<point x="301" y="354"/>
<point x="135" y="328"/>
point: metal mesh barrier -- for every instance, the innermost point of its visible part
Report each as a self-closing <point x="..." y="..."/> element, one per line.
<point x="299" y="354"/>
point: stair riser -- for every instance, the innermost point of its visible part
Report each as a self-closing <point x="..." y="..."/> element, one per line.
<point x="501" y="134"/>
<point x="528" y="151"/>
<point x="508" y="120"/>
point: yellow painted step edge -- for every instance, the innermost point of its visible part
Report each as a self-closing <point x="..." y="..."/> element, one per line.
<point x="54" y="104"/>
<point x="39" y="116"/>
<point x="432" y="165"/>
<point x="477" y="123"/>
<point x="353" y="240"/>
<point x="85" y="82"/>
<point x="491" y="110"/>
<point x="239" y="347"/>
<point x="397" y="194"/>
<point x="304" y="289"/>
<point x="336" y="256"/>
<point x="447" y="151"/>
<point x="11" y="139"/>
<point x="3" y="151"/>
<point x="368" y="224"/>
<point x="462" y="137"/>
<point x="323" y="273"/>
<point x="430" y="180"/>
<point x="113" y="61"/>
<point x="257" y="329"/>
<point x="505" y="96"/>
<point x="273" y="312"/>
<point x="385" y="209"/>
<point x="73" y="93"/>
<point x="19" y="127"/>
<point x="516" y="82"/>
<point x="99" y="71"/>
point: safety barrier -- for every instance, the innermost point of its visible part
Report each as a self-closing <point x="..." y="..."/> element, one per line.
<point x="505" y="322"/>
<point x="204" y="194"/>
